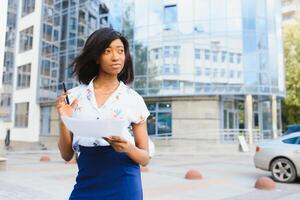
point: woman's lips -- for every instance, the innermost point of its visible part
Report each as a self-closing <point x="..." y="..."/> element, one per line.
<point x="116" y="65"/>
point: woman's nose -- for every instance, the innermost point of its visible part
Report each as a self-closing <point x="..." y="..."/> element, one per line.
<point x="115" y="55"/>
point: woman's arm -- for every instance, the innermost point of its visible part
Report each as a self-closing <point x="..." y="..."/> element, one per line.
<point x="65" y="142"/>
<point x="65" y="136"/>
<point x="139" y="151"/>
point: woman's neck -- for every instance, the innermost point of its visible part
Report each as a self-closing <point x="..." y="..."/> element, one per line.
<point x="105" y="82"/>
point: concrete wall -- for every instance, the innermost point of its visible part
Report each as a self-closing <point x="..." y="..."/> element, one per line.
<point x="195" y="116"/>
<point x="32" y="132"/>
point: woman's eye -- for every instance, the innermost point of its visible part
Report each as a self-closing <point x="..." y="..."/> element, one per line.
<point x="107" y="51"/>
<point x="121" y="51"/>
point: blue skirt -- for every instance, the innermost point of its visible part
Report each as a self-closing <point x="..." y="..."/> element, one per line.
<point x="104" y="174"/>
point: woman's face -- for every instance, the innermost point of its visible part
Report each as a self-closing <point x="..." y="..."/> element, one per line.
<point x="113" y="59"/>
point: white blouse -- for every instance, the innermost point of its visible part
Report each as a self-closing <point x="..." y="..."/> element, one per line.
<point x="124" y="104"/>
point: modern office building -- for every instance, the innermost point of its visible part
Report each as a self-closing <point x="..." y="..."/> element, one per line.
<point x="206" y="68"/>
<point x="210" y="67"/>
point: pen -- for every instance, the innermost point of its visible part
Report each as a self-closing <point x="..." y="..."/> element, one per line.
<point x="67" y="98"/>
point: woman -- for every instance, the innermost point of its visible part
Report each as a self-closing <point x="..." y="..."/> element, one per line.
<point x="108" y="167"/>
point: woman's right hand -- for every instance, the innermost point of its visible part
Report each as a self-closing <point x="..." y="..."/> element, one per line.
<point x="63" y="108"/>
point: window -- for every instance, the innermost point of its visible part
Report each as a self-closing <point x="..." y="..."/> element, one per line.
<point x="27" y="7"/>
<point x="170" y="69"/>
<point x="231" y="57"/>
<point x="5" y="100"/>
<point x="215" y="56"/>
<point x="92" y="22"/>
<point x="47" y="32"/>
<point x="231" y="74"/>
<point x="224" y="53"/>
<point x="47" y="49"/>
<point x="223" y="72"/>
<point x="21" y="114"/>
<point x="197" y="53"/>
<point x="155" y="54"/>
<point x="207" y="71"/>
<point x="23" y="80"/>
<point x="167" y="51"/>
<point x="159" y="123"/>
<point x="170" y="17"/>
<point x="294" y="140"/>
<point x="8" y="60"/>
<point x="45" y="70"/>
<point x="207" y="54"/>
<point x="239" y="58"/>
<point x="26" y="39"/>
<point x="215" y="73"/>
<point x="176" y="50"/>
<point x="198" y="71"/>
<point x="170" y="84"/>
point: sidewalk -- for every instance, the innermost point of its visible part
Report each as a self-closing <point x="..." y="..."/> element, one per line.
<point x="227" y="175"/>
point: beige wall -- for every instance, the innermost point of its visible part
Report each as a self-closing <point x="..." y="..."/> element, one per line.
<point x="196" y="116"/>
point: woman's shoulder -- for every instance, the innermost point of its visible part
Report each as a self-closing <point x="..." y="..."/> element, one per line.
<point x="131" y="92"/>
<point x="77" y="91"/>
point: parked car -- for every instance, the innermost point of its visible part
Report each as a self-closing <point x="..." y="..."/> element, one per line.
<point x="281" y="156"/>
<point x="292" y="129"/>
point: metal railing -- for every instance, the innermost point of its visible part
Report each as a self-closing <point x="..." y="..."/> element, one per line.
<point x="224" y="136"/>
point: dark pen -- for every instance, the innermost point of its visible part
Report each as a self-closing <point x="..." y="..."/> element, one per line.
<point x="67" y="98"/>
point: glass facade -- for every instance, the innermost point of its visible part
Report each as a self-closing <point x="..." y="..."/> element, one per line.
<point x="225" y="48"/>
<point x="218" y="47"/>
<point x="66" y="25"/>
<point x="228" y="48"/>
<point x="9" y="60"/>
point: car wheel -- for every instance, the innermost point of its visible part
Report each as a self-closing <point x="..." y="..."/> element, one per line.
<point x="283" y="170"/>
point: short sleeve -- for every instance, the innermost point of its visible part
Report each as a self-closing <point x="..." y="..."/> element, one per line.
<point x="138" y="109"/>
<point x="74" y="93"/>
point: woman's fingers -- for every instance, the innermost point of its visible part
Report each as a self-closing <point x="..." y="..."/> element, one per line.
<point x="74" y="103"/>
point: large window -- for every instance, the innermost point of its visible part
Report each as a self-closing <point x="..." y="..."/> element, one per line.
<point x="27" y="7"/>
<point x="21" y="114"/>
<point x="159" y="122"/>
<point x="26" y="39"/>
<point x="5" y="100"/>
<point x="23" y="80"/>
<point x="170" y="17"/>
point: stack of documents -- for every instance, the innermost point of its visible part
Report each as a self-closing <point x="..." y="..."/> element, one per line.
<point x="97" y="128"/>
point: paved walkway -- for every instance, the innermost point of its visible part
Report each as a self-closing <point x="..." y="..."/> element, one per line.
<point x="227" y="175"/>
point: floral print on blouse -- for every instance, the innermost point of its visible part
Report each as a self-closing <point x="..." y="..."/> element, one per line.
<point x="123" y="104"/>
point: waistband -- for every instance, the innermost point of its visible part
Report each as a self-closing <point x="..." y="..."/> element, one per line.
<point x="96" y="149"/>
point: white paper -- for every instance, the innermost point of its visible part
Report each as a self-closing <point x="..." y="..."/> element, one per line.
<point x="97" y="128"/>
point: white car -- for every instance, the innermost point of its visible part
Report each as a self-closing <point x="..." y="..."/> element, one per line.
<point x="280" y="156"/>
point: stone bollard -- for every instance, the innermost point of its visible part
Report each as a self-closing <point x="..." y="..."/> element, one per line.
<point x="45" y="158"/>
<point x="265" y="183"/>
<point x="193" y="174"/>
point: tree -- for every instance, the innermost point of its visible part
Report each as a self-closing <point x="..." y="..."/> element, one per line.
<point x="291" y="104"/>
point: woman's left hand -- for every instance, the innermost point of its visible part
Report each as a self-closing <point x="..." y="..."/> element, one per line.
<point x="119" y="144"/>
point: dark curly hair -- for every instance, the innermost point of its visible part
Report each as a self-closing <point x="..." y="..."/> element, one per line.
<point x="85" y="65"/>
